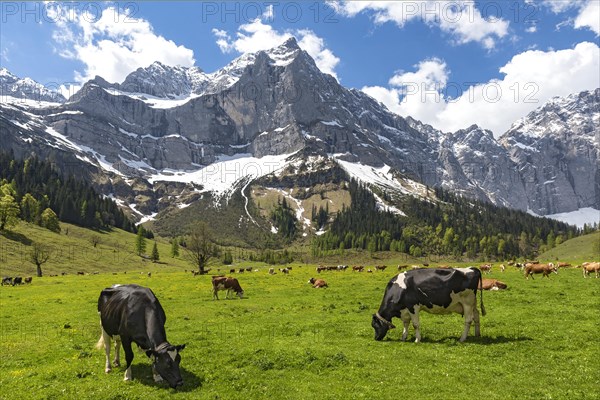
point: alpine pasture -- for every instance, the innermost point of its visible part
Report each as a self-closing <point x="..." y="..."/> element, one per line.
<point x="286" y="340"/>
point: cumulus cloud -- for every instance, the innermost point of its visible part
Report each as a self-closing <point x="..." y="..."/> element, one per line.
<point x="589" y="17"/>
<point x="588" y="13"/>
<point x="257" y="35"/>
<point x="113" y="44"/>
<point x="461" y="19"/>
<point x="530" y="79"/>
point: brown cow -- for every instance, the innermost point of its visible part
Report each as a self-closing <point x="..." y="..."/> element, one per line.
<point x="544" y="269"/>
<point x="226" y="283"/>
<point x="317" y="283"/>
<point x="492" y="284"/>
<point x="591" y="267"/>
<point x="401" y="267"/>
<point x="486" y="268"/>
<point x="358" y="268"/>
<point x="380" y="267"/>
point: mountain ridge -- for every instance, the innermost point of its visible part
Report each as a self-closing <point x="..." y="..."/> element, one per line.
<point x="277" y="103"/>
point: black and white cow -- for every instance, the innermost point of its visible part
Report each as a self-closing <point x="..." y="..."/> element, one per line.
<point x="133" y="314"/>
<point x="437" y="291"/>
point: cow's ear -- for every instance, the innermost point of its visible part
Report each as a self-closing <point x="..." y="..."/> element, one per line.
<point x="180" y="347"/>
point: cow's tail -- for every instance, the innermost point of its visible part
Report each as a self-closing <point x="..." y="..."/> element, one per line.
<point x="481" y="295"/>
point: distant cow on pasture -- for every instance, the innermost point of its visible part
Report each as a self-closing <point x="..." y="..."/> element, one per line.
<point x="133" y="314"/>
<point x="437" y="291"/>
<point x="544" y="269"/>
<point x="317" y="283"/>
<point x="226" y="283"/>
<point x="492" y="284"/>
<point x="590" y="267"/>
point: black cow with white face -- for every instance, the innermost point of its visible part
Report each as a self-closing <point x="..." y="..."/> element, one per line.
<point x="133" y="314"/>
<point x="437" y="291"/>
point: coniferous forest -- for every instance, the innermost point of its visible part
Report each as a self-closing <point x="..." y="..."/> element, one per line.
<point x="35" y="186"/>
<point x="452" y="226"/>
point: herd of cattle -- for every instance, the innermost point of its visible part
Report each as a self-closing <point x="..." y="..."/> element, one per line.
<point x="132" y="313"/>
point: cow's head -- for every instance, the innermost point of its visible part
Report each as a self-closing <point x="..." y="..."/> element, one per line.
<point x="240" y="294"/>
<point x="381" y="326"/>
<point x="166" y="363"/>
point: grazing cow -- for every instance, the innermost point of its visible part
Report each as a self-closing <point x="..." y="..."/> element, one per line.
<point x="80" y="273"/>
<point x="401" y="267"/>
<point x="226" y="283"/>
<point x="232" y="271"/>
<point x="271" y="271"/>
<point x="133" y="314"/>
<point x="426" y="264"/>
<point x="502" y="268"/>
<point x="486" y="268"/>
<point x="380" y="267"/>
<point x="493" y="284"/>
<point x="149" y="274"/>
<point x="563" y="265"/>
<point x="369" y="270"/>
<point x="317" y="283"/>
<point x="358" y="268"/>
<point x="249" y="269"/>
<point x="17" y="280"/>
<point x="284" y="270"/>
<point x="7" y="280"/>
<point x="437" y="291"/>
<point x="28" y="279"/>
<point x="241" y="270"/>
<point x="544" y="269"/>
<point x="589" y="267"/>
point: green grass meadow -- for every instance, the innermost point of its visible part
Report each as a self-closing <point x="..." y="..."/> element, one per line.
<point x="286" y="340"/>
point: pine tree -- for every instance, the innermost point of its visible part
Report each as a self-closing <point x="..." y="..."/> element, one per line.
<point x="155" y="256"/>
<point x="174" y="247"/>
<point x="140" y="241"/>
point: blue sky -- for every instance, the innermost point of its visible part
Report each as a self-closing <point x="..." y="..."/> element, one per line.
<point x="481" y="57"/>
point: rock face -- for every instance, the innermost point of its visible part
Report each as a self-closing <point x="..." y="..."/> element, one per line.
<point x="555" y="149"/>
<point x="165" y="119"/>
<point x="26" y="89"/>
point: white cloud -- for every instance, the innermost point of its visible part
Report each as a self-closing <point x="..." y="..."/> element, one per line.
<point x="461" y="19"/>
<point x="530" y="79"/>
<point x="588" y="13"/>
<point x="113" y="45"/>
<point x="257" y="36"/>
<point x="589" y="17"/>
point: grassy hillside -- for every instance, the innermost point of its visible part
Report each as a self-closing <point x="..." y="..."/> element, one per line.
<point x="286" y="340"/>
<point x="72" y="251"/>
<point x="576" y="250"/>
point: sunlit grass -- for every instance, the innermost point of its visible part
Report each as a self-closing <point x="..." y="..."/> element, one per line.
<point x="287" y="340"/>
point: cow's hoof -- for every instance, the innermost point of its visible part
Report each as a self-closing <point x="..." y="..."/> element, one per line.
<point x="107" y="370"/>
<point x="127" y="379"/>
<point x="116" y="363"/>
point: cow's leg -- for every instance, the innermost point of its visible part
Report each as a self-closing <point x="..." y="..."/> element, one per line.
<point x="415" y="322"/>
<point x="117" y="360"/>
<point x="476" y="320"/>
<point x="106" y="339"/>
<point x="128" y="357"/>
<point x="405" y="317"/>
<point x="468" y="313"/>
<point x="215" y="295"/>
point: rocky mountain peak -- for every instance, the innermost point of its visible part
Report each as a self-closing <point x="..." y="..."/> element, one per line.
<point x="26" y="88"/>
